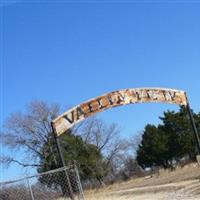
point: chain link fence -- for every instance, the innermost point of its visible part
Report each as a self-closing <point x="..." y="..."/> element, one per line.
<point x="60" y="184"/>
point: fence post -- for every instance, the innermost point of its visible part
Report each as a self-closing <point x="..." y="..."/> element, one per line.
<point x="30" y="188"/>
<point x="79" y="182"/>
<point x="69" y="184"/>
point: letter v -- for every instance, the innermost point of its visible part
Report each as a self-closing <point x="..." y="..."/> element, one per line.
<point x="70" y="120"/>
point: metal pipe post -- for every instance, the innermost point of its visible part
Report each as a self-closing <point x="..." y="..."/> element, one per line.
<point x="30" y="188"/>
<point x="79" y="182"/>
<point x="196" y="135"/>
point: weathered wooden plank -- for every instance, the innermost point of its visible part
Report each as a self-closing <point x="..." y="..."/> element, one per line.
<point x="113" y="99"/>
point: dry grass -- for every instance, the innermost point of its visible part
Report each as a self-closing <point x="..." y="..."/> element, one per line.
<point x="181" y="184"/>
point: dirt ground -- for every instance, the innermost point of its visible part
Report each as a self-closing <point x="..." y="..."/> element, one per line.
<point x="181" y="184"/>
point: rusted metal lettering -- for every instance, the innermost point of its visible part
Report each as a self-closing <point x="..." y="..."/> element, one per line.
<point x="113" y="99"/>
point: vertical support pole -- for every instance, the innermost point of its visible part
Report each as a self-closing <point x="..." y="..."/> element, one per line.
<point x="30" y="188"/>
<point x="79" y="182"/>
<point x="58" y="146"/>
<point x="69" y="184"/>
<point x="196" y="135"/>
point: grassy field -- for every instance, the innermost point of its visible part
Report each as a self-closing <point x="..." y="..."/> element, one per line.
<point x="180" y="184"/>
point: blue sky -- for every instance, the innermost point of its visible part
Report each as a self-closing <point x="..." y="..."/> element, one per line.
<point x="65" y="52"/>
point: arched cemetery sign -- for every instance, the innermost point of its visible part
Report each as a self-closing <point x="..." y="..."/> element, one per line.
<point x="116" y="98"/>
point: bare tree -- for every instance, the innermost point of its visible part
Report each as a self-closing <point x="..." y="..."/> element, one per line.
<point x="135" y="141"/>
<point x="31" y="130"/>
<point x="28" y="132"/>
<point x="106" y="138"/>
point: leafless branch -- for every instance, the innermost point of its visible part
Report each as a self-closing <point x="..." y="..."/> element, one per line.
<point x="29" y="131"/>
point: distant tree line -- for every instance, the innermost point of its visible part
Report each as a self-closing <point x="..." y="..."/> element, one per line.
<point x="101" y="154"/>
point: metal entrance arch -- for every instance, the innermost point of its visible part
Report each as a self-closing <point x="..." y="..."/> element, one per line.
<point x="118" y="98"/>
